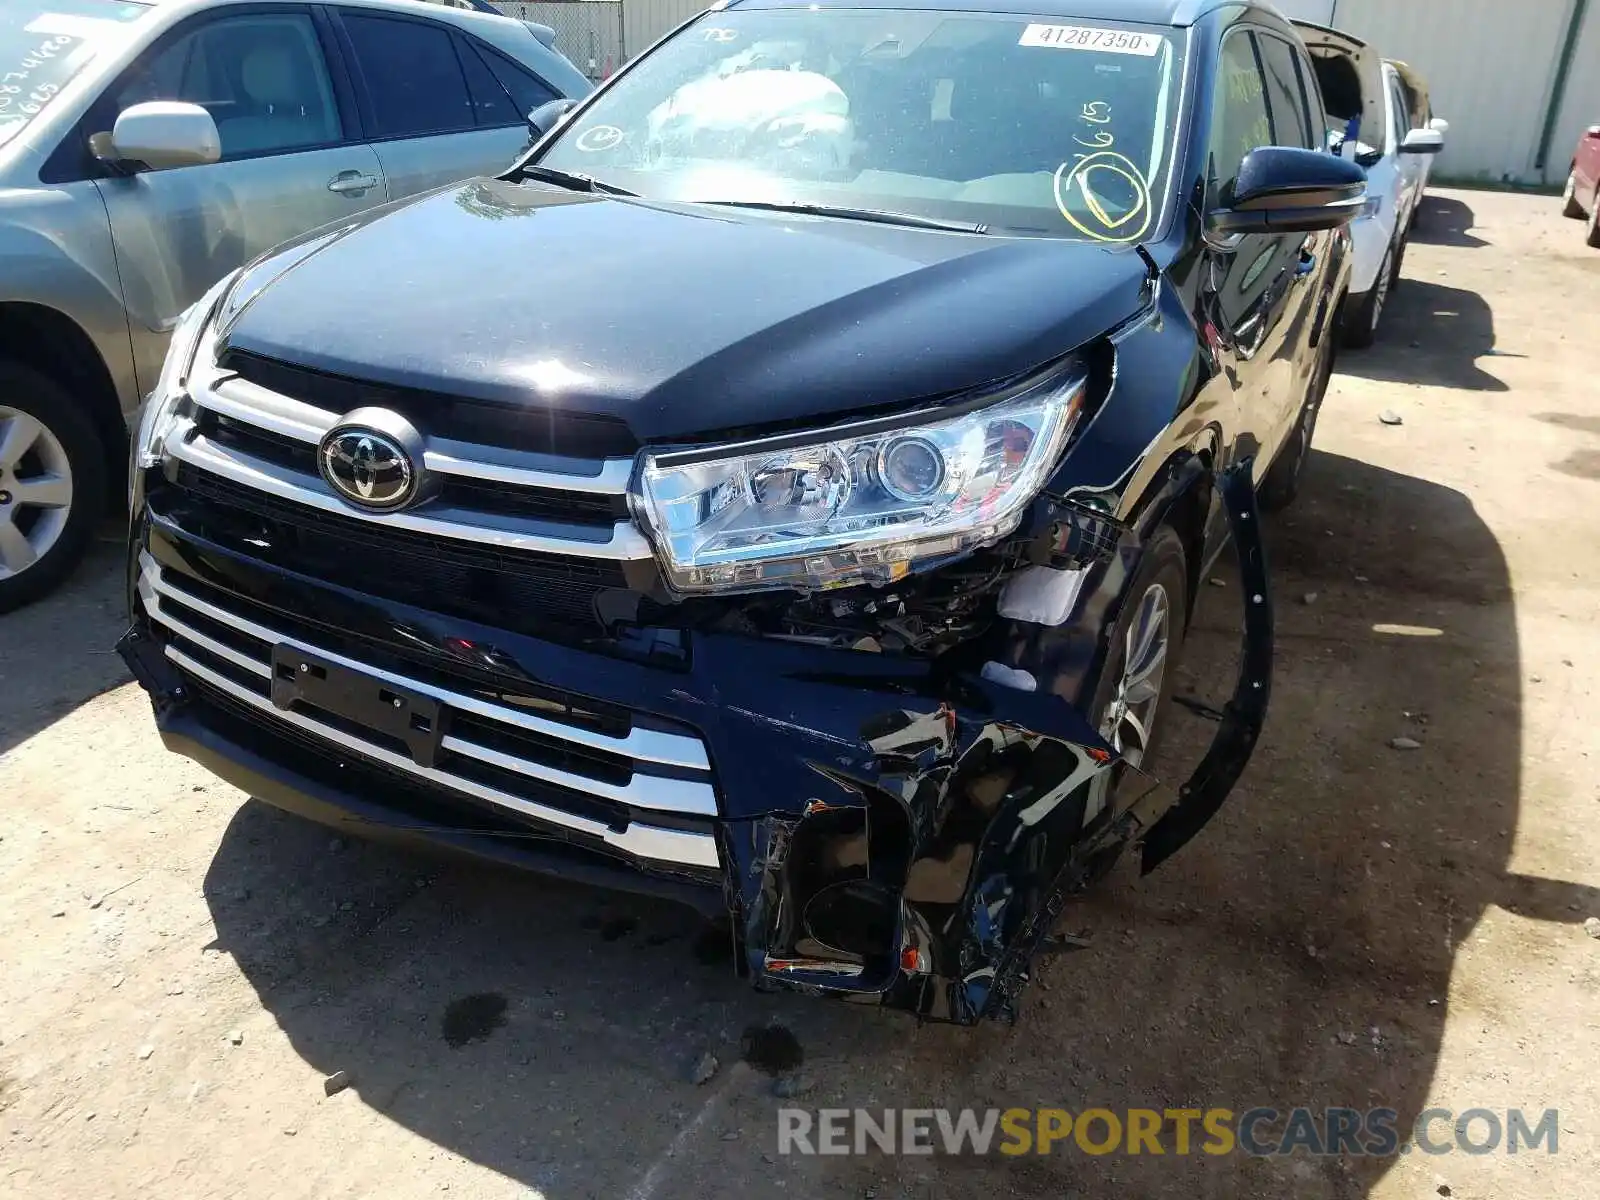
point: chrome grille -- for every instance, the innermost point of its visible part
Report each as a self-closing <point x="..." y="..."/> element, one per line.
<point x="536" y="594"/>
<point x="606" y="788"/>
<point x="502" y="498"/>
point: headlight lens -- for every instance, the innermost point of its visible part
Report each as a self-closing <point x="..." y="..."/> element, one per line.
<point x="856" y="504"/>
<point x="166" y="401"/>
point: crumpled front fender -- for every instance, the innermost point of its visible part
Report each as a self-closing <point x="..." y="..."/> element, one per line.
<point x="930" y="881"/>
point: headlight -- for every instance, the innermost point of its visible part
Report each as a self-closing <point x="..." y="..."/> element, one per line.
<point x="856" y="504"/>
<point x="170" y="394"/>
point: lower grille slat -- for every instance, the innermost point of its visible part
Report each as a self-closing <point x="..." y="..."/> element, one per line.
<point x="625" y="780"/>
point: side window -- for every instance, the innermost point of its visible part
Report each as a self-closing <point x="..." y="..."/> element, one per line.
<point x="527" y="90"/>
<point x="1291" y="124"/>
<point x="1316" y="107"/>
<point x="1401" y="120"/>
<point x="261" y="76"/>
<point x="1239" y="118"/>
<point x="491" y="103"/>
<point x="413" y="76"/>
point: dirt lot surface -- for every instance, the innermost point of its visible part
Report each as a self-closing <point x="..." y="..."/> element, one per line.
<point x="1361" y="926"/>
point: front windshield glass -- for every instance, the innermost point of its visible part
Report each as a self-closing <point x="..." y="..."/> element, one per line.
<point x="43" y="45"/>
<point x="1012" y="122"/>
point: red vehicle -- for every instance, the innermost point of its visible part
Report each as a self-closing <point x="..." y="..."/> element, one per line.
<point x="1582" y="197"/>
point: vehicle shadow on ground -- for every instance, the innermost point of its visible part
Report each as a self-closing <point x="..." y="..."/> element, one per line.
<point x="56" y="654"/>
<point x="1299" y="952"/>
<point x="1431" y="334"/>
<point x="1445" y="221"/>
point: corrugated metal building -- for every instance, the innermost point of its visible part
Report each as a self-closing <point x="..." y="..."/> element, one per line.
<point x="1494" y="67"/>
<point x="645" y="21"/>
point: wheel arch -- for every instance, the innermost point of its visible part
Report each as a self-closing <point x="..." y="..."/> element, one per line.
<point x="1182" y="494"/>
<point x="50" y="342"/>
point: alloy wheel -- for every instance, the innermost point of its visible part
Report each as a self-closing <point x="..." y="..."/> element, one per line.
<point x="1129" y="720"/>
<point x="35" y="490"/>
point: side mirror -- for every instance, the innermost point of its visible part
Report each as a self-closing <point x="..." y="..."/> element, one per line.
<point x="1422" y="141"/>
<point x="162" y="134"/>
<point x="550" y="114"/>
<point x="1439" y="125"/>
<point x="1283" y="189"/>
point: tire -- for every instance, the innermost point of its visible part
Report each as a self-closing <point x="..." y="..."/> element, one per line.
<point x="1163" y="565"/>
<point x="1593" y="235"/>
<point x="52" y="484"/>
<point x="1399" y="262"/>
<point x="1569" y="199"/>
<point x="1281" y="484"/>
<point x="1365" y="311"/>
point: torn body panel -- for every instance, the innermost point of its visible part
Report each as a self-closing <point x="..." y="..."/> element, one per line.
<point x="961" y="850"/>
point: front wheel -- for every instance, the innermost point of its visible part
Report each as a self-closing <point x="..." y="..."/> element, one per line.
<point x="1593" y="237"/>
<point x="1145" y="642"/>
<point x="1361" y="323"/>
<point x="1569" y="199"/>
<point x="52" y="484"/>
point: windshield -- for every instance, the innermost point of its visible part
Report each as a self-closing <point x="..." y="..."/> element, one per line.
<point x="1009" y="122"/>
<point x="42" y="46"/>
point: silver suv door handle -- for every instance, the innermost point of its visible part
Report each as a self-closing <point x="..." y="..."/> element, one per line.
<point x="352" y="181"/>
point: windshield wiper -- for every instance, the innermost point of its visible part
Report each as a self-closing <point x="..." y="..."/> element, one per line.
<point x="571" y="179"/>
<point x="854" y="214"/>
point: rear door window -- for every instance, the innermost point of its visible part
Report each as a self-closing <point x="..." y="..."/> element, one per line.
<point x="413" y="76"/>
<point x="527" y="90"/>
<point x="503" y="94"/>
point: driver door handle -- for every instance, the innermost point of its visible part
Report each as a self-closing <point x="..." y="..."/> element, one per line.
<point x="352" y="181"/>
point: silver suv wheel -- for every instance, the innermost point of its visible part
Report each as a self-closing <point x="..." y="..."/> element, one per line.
<point x="35" y="490"/>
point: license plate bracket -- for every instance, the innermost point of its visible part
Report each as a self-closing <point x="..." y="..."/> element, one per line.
<point x="301" y="677"/>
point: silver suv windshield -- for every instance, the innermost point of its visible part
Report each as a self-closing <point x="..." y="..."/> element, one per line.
<point x="44" y="44"/>
<point x="1025" y="125"/>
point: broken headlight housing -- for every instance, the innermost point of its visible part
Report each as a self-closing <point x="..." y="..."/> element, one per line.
<point x="859" y="503"/>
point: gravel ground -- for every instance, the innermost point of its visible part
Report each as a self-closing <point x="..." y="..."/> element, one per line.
<point x="1363" y="925"/>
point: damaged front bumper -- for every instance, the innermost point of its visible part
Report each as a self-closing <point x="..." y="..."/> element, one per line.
<point x="884" y="830"/>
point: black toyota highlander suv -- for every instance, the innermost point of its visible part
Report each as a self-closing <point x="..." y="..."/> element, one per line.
<point x="782" y="490"/>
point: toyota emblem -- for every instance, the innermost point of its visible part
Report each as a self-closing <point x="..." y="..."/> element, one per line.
<point x="367" y="468"/>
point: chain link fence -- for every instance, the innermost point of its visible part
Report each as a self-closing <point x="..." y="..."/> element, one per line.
<point x="589" y="32"/>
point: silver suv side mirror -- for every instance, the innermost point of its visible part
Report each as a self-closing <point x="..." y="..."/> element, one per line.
<point x="162" y="134"/>
<point x="1422" y="141"/>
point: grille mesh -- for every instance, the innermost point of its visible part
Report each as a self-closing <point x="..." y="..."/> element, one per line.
<point x="508" y="588"/>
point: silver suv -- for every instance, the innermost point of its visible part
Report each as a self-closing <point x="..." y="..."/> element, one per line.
<point x="146" y="150"/>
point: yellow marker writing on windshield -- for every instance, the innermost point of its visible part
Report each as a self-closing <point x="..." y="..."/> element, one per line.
<point x="1113" y="228"/>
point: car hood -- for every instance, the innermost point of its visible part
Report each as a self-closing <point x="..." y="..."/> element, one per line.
<point x="679" y="320"/>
